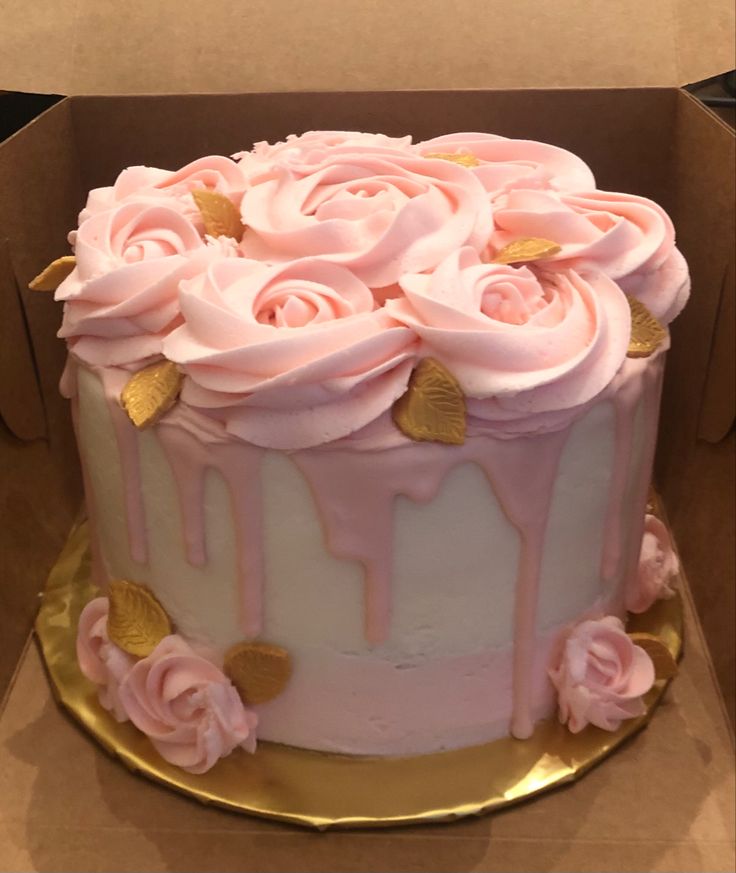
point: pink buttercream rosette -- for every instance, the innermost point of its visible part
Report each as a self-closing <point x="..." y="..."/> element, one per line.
<point x="188" y="708"/>
<point x="658" y="566"/>
<point x="601" y="676"/>
<point x="288" y="356"/>
<point x="527" y="346"/>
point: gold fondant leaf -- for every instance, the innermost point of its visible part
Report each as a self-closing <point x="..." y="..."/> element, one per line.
<point x="219" y="214"/>
<point x="647" y="334"/>
<point x="136" y="621"/>
<point x="433" y="406"/>
<point x="151" y="392"/>
<point x="665" y="666"/>
<point x="258" y="670"/>
<point x="466" y="160"/>
<point x="527" y="249"/>
<point x="52" y="276"/>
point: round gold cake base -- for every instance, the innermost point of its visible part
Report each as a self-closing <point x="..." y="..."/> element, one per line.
<point x="323" y="790"/>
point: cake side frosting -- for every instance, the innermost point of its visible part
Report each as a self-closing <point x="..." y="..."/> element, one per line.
<point x="421" y="575"/>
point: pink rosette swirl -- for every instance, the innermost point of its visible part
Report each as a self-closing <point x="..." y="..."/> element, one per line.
<point x="288" y="356"/>
<point x="170" y="188"/>
<point x="303" y="153"/>
<point x="505" y="164"/>
<point x="658" y="566"/>
<point x="525" y="346"/>
<point x="379" y="213"/>
<point x="122" y="297"/>
<point x="631" y="239"/>
<point x="187" y="707"/>
<point x="101" y="661"/>
<point x="601" y="676"/>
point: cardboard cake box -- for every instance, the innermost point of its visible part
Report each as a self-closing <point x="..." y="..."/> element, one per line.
<point x="602" y="80"/>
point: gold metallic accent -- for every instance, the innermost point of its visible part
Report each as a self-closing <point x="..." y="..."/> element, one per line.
<point x="52" y="276"/>
<point x="465" y="160"/>
<point x="665" y="665"/>
<point x="321" y="790"/>
<point x="136" y="621"/>
<point x="647" y="334"/>
<point x="151" y="392"/>
<point x="258" y="670"/>
<point x="433" y="406"/>
<point x="527" y="249"/>
<point x="219" y="214"/>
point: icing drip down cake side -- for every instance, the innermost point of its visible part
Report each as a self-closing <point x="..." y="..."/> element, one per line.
<point x="367" y="430"/>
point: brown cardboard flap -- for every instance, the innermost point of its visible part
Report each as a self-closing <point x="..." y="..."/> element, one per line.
<point x="21" y="406"/>
<point x="87" y="47"/>
<point x="718" y="411"/>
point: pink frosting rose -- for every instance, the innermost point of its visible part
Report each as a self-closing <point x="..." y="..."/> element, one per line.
<point x="505" y="164"/>
<point x="519" y="341"/>
<point x="101" y="661"/>
<point x="169" y="188"/>
<point x="187" y="707"/>
<point x="629" y="238"/>
<point x="309" y="151"/>
<point x="601" y="676"/>
<point x="122" y="297"/>
<point x="378" y="212"/>
<point x="658" y="566"/>
<point x="288" y="356"/>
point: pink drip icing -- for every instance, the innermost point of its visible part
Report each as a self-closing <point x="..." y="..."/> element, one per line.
<point x="652" y="378"/>
<point x="99" y="576"/>
<point x="126" y="436"/>
<point x="239" y="466"/>
<point x="68" y="381"/>
<point x="521" y="472"/>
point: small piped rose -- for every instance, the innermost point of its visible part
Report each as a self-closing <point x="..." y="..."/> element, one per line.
<point x="601" y="676"/>
<point x="658" y="565"/>
<point x="100" y="660"/>
<point x="187" y="707"/>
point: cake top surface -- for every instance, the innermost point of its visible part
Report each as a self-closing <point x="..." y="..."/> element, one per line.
<point x="299" y="285"/>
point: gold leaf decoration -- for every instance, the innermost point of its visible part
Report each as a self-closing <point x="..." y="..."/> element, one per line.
<point x="527" y="249"/>
<point x="258" y="670"/>
<point x="52" y="276"/>
<point x="647" y="334"/>
<point x="219" y="214"/>
<point x="151" y="392"/>
<point x="433" y="406"/>
<point x="466" y="160"/>
<point x="665" y="666"/>
<point x="136" y="621"/>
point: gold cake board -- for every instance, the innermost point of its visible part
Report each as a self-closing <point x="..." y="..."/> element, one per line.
<point x="323" y="790"/>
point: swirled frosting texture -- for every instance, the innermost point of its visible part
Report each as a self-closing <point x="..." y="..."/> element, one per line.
<point x="601" y="676"/>
<point x="289" y="356"/>
<point x="517" y="339"/>
<point x="362" y="252"/>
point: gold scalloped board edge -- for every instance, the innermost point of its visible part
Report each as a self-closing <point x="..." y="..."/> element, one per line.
<point x="321" y="790"/>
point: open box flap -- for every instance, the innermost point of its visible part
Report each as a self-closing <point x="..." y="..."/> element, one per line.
<point x="80" y="47"/>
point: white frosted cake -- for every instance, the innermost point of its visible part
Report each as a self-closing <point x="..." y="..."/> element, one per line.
<point x="367" y="430"/>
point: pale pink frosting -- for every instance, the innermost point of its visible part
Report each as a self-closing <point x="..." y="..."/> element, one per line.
<point x="169" y="188"/>
<point x="381" y="213"/>
<point x="101" y="661"/>
<point x="289" y="356"/>
<point x="122" y="297"/>
<point x="629" y="238"/>
<point x="187" y="707"/>
<point x="517" y="339"/>
<point x="601" y="676"/>
<point x="514" y="163"/>
<point x="309" y="151"/>
<point x="658" y="566"/>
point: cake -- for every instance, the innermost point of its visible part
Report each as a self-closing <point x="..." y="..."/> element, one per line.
<point x="367" y="429"/>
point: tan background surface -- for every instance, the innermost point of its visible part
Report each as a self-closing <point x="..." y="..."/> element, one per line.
<point x="104" y="47"/>
<point x="664" y="802"/>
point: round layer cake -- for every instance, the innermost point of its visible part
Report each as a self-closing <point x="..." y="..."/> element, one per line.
<point x="367" y="430"/>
